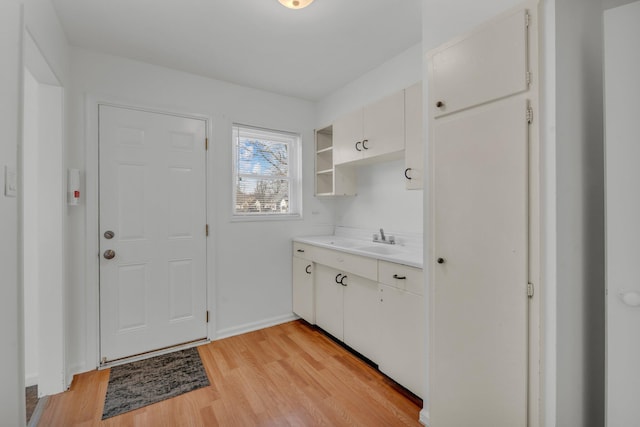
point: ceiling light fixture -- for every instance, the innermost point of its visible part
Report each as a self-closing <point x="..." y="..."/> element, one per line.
<point x="295" y="4"/>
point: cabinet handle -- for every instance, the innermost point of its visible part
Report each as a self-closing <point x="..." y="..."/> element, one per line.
<point x="338" y="280"/>
<point x="405" y="173"/>
<point x="300" y="250"/>
<point x="341" y="281"/>
<point x="364" y="141"/>
<point x="440" y="260"/>
<point x="395" y="276"/>
<point x="440" y="104"/>
<point x="357" y="143"/>
<point x="307" y="269"/>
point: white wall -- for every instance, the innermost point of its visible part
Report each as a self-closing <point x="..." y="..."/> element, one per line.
<point x="250" y="264"/>
<point x="30" y="225"/>
<point x="50" y="228"/>
<point x="41" y="21"/>
<point x="43" y="223"/>
<point x="46" y="57"/>
<point x="622" y="66"/>
<point x="608" y="4"/>
<point x="580" y="214"/>
<point x="382" y="200"/>
<point x="397" y="73"/>
<point x="12" y="408"/>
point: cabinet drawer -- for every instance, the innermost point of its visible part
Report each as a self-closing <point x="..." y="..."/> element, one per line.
<point x="413" y="277"/>
<point x="301" y="250"/>
<point x="348" y="263"/>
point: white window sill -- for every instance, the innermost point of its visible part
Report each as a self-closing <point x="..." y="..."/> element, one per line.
<point x="266" y="217"/>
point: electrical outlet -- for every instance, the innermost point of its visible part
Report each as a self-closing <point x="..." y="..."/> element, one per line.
<point x="10" y="181"/>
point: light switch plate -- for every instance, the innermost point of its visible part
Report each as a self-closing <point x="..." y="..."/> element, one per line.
<point x="10" y="181"/>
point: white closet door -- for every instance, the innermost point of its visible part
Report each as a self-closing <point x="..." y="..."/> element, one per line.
<point x="479" y="310"/>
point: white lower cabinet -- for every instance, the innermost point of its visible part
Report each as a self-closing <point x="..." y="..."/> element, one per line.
<point x="378" y="312"/>
<point x="346" y="307"/>
<point x="303" y="298"/>
<point x="401" y="334"/>
<point x="329" y="301"/>
<point x="360" y="317"/>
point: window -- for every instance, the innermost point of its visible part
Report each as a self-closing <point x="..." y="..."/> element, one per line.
<point x="266" y="169"/>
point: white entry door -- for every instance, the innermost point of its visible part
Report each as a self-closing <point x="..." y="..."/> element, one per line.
<point x="152" y="231"/>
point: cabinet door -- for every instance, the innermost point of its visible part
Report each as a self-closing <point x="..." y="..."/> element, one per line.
<point x="485" y="66"/>
<point x="479" y="293"/>
<point x="360" y="315"/>
<point x="303" y="303"/>
<point x="329" y="307"/>
<point x="401" y="323"/>
<point x="384" y="126"/>
<point x="414" y="146"/>
<point x="347" y="138"/>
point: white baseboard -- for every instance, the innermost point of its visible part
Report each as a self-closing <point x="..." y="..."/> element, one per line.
<point x="72" y="370"/>
<point x="424" y="417"/>
<point x="254" y="326"/>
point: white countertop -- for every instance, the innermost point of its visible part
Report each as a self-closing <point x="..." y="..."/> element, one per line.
<point x="398" y="253"/>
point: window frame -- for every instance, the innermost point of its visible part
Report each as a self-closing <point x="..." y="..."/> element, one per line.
<point x="294" y="143"/>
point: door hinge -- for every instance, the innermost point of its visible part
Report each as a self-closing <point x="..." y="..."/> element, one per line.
<point x="528" y="77"/>
<point x="206" y="229"/>
<point x="527" y="19"/>
<point x="207" y="316"/>
<point x="529" y="114"/>
<point x="530" y="290"/>
<point x="206" y="144"/>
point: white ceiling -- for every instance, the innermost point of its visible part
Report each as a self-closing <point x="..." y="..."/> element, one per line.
<point x="305" y="53"/>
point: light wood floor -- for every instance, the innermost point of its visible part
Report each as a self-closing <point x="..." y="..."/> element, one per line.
<point x="287" y="375"/>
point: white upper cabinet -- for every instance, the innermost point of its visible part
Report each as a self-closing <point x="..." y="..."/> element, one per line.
<point x="347" y="137"/>
<point x="414" y="143"/>
<point x="373" y="131"/>
<point x="488" y="65"/>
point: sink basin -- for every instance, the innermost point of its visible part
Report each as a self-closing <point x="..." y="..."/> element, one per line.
<point x="343" y="243"/>
<point x="382" y="250"/>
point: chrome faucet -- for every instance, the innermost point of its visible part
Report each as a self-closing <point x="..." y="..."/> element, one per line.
<point x="383" y="238"/>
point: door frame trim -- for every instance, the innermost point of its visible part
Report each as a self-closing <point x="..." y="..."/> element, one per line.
<point x="91" y="217"/>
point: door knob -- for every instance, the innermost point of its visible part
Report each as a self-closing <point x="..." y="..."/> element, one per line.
<point x="109" y="254"/>
<point x="109" y="234"/>
<point x="440" y="260"/>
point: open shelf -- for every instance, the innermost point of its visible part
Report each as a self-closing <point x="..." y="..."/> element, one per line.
<point x="329" y="181"/>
